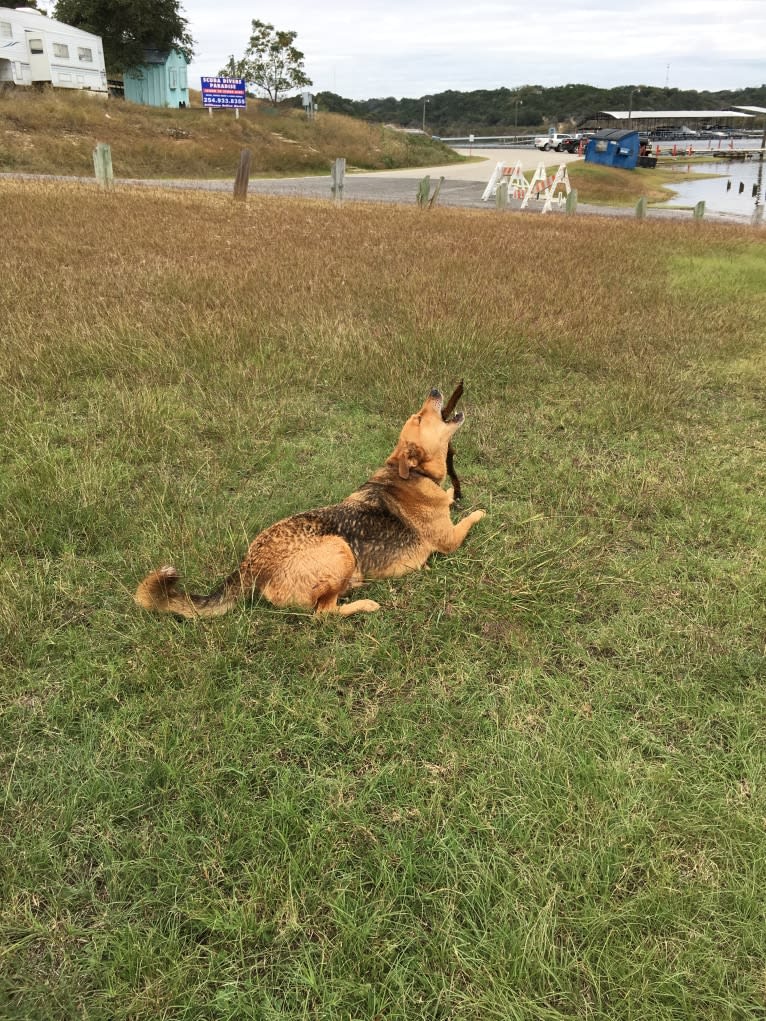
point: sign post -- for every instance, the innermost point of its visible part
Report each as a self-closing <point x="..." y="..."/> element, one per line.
<point x="307" y="102"/>
<point x="225" y="93"/>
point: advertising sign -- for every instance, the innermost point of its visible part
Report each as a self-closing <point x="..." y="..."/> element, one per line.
<point x="224" y="92"/>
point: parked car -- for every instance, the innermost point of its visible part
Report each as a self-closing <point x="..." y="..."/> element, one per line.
<point x="551" y="141"/>
<point x="573" y="142"/>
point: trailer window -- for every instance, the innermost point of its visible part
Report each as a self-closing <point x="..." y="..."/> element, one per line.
<point x="60" y="50"/>
<point x="36" y="46"/>
<point x="85" y="54"/>
<point x="172" y="79"/>
<point x="6" y="32"/>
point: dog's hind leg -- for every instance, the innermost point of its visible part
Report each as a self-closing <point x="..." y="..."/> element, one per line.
<point x="330" y="605"/>
<point x="316" y="577"/>
<point x="339" y="574"/>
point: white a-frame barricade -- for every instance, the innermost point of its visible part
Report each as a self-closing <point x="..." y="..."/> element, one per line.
<point x="513" y="175"/>
<point x="560" y="180"/>
<point x="553" y="188"/>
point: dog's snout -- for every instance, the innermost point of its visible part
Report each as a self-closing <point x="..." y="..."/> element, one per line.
<point x="436" y="394"/>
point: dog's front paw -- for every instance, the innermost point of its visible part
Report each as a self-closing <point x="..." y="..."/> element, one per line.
<point x="367" y="605"/>
<point x="477" y="515"/>
<point x="358" y="606"/>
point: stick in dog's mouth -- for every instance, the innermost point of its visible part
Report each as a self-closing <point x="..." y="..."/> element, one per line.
<point x="448" y="416"/>
<point x="457" y="417"/>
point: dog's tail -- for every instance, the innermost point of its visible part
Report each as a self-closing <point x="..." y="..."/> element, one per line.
<point x="158" y="591"/>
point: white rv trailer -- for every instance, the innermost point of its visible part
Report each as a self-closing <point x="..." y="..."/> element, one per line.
<point x="35" y="48"/>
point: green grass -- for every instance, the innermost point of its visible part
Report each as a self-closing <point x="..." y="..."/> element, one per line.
<point x="532" y="786"/>
<point x="611" y="186"/>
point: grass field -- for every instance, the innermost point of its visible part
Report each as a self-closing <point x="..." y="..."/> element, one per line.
<point x="532" y="786"/>
<point x="611" y="186"/>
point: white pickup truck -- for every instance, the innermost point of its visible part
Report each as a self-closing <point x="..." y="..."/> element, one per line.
<point x="551" y="141"/>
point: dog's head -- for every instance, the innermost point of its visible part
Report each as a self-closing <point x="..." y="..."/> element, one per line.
<point x="423" y="442"/>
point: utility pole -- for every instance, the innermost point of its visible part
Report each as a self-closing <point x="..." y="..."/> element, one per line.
<point x="424" y="114"/>
<point x="630" y="107"/>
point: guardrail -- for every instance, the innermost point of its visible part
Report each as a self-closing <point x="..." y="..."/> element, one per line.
<point x="489" y="141"/>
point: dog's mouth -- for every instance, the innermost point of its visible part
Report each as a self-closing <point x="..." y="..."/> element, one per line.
<point x="436" y="398"/>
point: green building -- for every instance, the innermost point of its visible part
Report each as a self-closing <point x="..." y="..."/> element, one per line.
<point x="162" y="80"/>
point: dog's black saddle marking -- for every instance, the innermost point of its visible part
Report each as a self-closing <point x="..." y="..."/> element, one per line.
<point x="377" y="536"/>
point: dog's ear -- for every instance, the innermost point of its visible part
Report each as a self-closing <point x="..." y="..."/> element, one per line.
<point x="408" y="456"/>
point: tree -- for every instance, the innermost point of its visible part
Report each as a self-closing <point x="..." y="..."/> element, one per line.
<point x="129" y="27"/>
<point x="270" y="63"/>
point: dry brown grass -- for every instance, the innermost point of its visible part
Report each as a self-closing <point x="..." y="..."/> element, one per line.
<point x="55" y="133"/>
<point x="386" y="286"/>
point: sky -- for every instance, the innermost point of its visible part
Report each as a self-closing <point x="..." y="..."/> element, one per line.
<point x="403" y="48"/>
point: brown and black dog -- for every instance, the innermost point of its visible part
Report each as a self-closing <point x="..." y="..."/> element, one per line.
<point x="385" y="529"/>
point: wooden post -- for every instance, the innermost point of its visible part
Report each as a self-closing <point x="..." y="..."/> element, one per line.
<point x="571" y="204"/>
<point x="435" y="196"/>
<point x="699" y="210"/>
<point x="501" y="195"/>
<point x="641" y="208"/>
<point x="424" y="188"/>
<point x="338" y="173"/>
<point x="758" y="211"/>
<point x="102" y="164"/>
<point x="242" y="179"/>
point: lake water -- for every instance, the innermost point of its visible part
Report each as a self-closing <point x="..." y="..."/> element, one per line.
<point x="730" y="191"/>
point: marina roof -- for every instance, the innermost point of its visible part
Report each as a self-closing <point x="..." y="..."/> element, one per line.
<point x="680" y="115"/>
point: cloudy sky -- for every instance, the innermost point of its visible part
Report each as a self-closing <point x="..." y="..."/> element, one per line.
<point x="402" y="48"/>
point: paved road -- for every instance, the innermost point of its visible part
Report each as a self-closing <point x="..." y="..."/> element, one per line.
<point x="463" y="185"/>
<point x="481" y="170"/>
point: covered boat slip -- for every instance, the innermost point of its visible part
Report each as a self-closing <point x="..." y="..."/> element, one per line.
<point x="683" y="123"/>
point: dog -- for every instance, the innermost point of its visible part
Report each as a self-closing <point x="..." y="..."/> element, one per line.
<point x="385" y="529"/>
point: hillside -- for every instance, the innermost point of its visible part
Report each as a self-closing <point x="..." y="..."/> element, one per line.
<point x="55" y="133"/>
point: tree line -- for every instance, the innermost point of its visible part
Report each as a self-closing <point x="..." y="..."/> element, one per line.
<point x="273" y="65"/>
<point x="531" y="107"/>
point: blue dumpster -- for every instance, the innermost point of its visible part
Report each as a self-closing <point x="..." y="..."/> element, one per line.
<point x="614" y="147"/>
